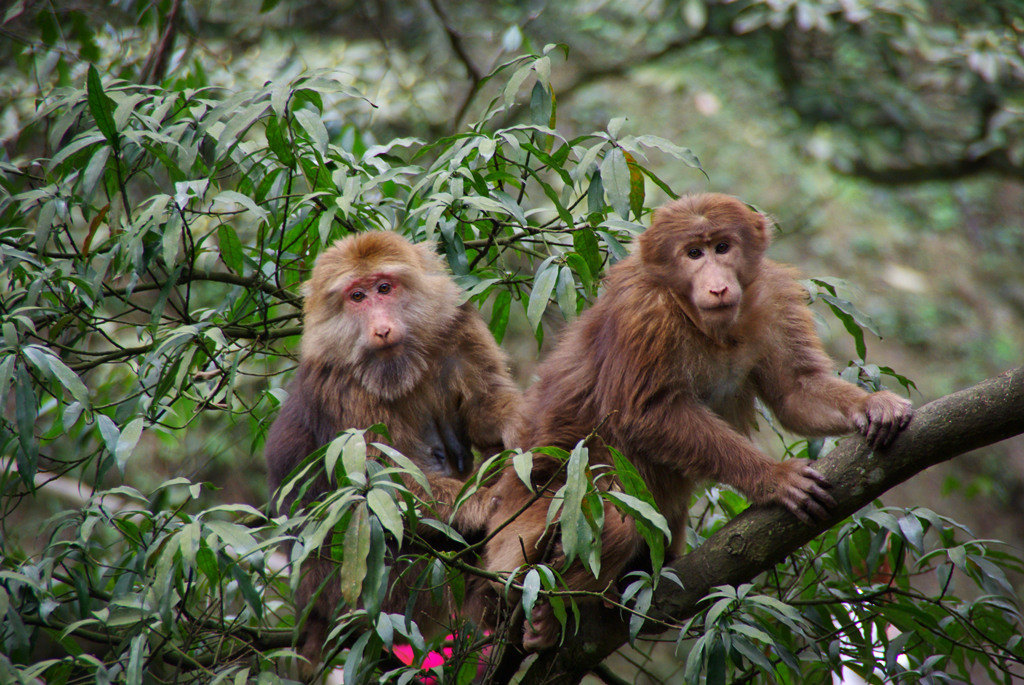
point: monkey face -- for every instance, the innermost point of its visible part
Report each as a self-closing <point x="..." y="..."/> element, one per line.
<point x="376" y="303"/>
<point x="706" y="249"/>
<point x="378" y="306"/>
<point x="709" y="268"/>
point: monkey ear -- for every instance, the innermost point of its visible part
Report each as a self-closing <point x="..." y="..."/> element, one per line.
<point x="430" y="259"/>
<point x="651" y="244"/>
<point x="761" y="233"/>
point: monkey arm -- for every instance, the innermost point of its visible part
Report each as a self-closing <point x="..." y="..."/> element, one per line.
<point x="815" y="403"/>
<point x="795" y="377"/>
<point x="289" y="441"/>
<point x="796" y="380"/>
<point x="492" y="405"/>
<point x="472" y="516"/>
<point x="686" y="438"/>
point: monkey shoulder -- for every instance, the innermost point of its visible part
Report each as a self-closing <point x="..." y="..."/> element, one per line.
<point x="470" y="349"/>
<point x="778" y="303"/>
<point x="782" y="281"/>
<point x="292" y="435"/>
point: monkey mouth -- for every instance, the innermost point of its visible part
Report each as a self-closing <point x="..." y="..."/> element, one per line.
<point x="722" y="308"/>
<point x="389" y="350"/>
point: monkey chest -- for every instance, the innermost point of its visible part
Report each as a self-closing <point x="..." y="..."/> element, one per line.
<point x="726" y="388"/>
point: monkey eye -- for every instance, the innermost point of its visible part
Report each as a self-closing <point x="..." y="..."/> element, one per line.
<point x="357" y="296"/>
<point x="695" y="253"/>
<point x="722" y="248"/>
<point x="384" y="288"/>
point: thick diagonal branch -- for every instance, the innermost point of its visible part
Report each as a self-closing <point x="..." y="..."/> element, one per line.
<point x="760" y="537"/>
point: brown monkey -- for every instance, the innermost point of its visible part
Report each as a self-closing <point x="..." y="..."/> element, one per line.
<point x="386" y="341"/>
<point x="665" y="367"/>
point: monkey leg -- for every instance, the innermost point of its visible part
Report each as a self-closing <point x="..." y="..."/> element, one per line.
<point x="318" y="595"/>
<point x="620" y="543"/>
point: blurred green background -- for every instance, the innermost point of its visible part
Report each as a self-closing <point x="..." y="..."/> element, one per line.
<point x="886" y="137"/>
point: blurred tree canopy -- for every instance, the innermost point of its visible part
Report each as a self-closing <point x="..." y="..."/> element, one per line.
<point x="172" y="169"/>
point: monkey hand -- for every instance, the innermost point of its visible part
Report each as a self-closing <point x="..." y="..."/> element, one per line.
<point x="801" y="489"/>
<point x="541" y="630"/>
<point x="881" y="417"/>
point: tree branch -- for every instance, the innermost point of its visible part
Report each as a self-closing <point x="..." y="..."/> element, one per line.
<point x="996" y="162"/>
<point x="761" y="537"/>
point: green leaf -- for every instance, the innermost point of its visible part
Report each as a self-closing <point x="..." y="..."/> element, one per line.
<point x="615" y="126"/>
<point x="233" y="534"/>
<point x="531" y="589"/>
<point x="331" y="454"/>
<point x="616" y="179"/>
<point x="407" y="465"/>
<point x="357" y="549"/>
<point x="6" y="372"/>
<point x="584" y="241"/>
<point x="45" y="361"/>
<point x="375" y="586"/>
<point x="499" y="314"/>
<point x="637" y="191"/>
<point x="716" y="666"/>
<point x="595" y="195"/>
<point x="912" y="531"/>
<point x="540" y="105"/>
<point x="108" y="430"/>
<point x="958" y="555"/>
<point x="353" y="456"/>
<point x="136" y="659"/>
<point x="385" y="509"/>
<point x="682" y="153"/>
<point x="575" y="488"/>
<point x="632" y="482"/>
<point x="101" y="107"/>
<point x="522" y="462"/>
<point x="515" y="82"/>
<point x="314" y="126"/>
<point x="234" y="197"/>
<point x="206" y="561"/>
<point x="579" y="266"/>
<point x="278" y="145"/>
<point x="543" y="284"/>
<point x="752" y="653"/>
<point x="566" y="293"/>
<point x="639" y="615"/>
<point x="385" y="629"/>
<point x="230" y="247"/>
<point x="354" y="660"/>
<point x="486" y="148"/>
<point x="752" y="631"/>
<point x="852" y="319"/>
<point x="25" y="412"/>
<point x="641" y="510"/>
<point x="895" y="648"/>
<point x="249" y="594"/>
<point x="126" y="442"/>
<point x="511" y="206"/>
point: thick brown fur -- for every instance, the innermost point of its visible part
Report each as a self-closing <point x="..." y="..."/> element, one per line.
<point x="406" y="355"/>
<point x="665" y="367"/>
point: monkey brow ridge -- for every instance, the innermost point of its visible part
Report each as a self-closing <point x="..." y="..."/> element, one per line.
<point x="346" y="281"/>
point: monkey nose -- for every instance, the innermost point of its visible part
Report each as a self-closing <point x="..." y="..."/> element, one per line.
<point x="383" y="333"/>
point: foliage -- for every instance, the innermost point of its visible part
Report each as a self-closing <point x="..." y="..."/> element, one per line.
<point x="153" y="241"/>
